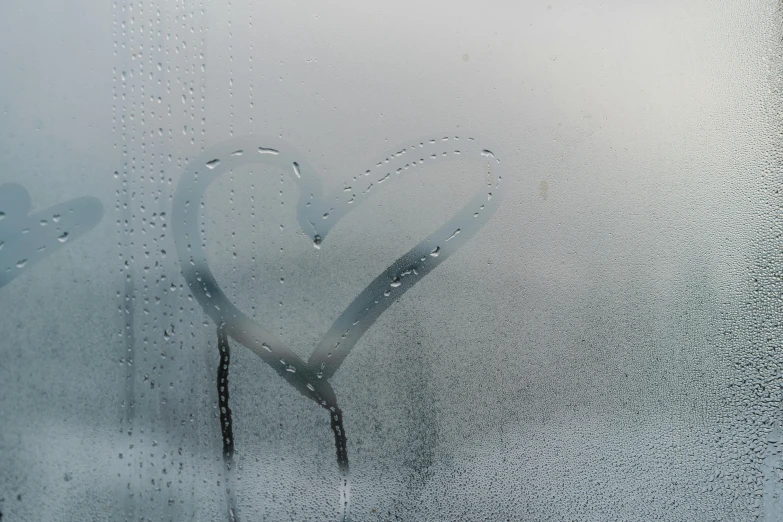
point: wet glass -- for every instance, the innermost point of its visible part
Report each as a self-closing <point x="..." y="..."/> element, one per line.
<point x="401" y="261"/>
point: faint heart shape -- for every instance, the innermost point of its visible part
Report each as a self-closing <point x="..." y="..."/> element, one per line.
<point x="317" y="215"/>
<point x="26" y="238"/>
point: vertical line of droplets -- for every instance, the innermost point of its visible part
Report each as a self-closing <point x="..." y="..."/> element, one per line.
<point x="123" y="75"/>
<point x="253" y="220"/>
<point x="145" y="419"/>
<point x="182" y="68"/>
<point x="166" y="344"/>
<point x="147" y="372"/>
<point x="186" y="67"/>
<point x="186" y="64"/>
<point x="165" y="272"/>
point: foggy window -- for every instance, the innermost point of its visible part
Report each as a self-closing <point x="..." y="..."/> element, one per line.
<point x="413" y="261"/>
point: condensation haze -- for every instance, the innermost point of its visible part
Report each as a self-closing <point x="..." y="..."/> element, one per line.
<point x="602" y="343"/>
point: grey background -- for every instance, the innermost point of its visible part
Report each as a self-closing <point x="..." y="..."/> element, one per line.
<point x="606" y="348"/>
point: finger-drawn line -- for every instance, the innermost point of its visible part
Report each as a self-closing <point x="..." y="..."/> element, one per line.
<point x="226" y="427"/>
<point x="317" y="215"/>
<point x="26" y="239"/>
<point x="222" y="380"/>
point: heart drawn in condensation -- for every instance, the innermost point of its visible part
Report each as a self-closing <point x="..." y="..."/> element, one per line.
<point x="317" y="214"/>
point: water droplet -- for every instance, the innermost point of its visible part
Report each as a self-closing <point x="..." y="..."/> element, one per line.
<point x="237" y="153"/>
<point x="62" y="238"/>
<point x="317" y="241"/>
<point x="264" y="150"/>
<point x="20" y="264"/>
<point x="56" y="218"/>
<point x="2" y="215"/>
<point x="266" y="347"/>
<point x="454" y="234"/>
<point x="296" y="170"/>
<point x="436" y="252"/>
<point x="396" y="282"/>
<point x="212" y="164"/>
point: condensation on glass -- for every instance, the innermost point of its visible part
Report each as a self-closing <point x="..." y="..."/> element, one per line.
<point x="410" y="261"/>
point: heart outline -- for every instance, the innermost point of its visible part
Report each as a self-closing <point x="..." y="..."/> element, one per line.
<point x="311" y="378"/>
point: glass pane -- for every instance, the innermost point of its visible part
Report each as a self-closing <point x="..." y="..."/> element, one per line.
<point x="401" y="261"/>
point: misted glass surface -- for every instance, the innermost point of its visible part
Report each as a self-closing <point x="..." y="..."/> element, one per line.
<point x="391" y="261"/>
